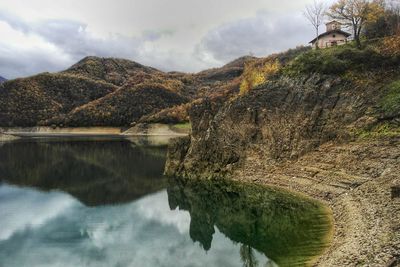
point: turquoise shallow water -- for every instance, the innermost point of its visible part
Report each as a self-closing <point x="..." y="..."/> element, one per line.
<point x="106" y="203"/>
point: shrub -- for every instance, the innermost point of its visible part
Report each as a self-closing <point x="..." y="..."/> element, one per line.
<point x="339" y="60"/>
<point x="258" y="72"/>
<point x="391" y="101"/>
<point x="318" y="61"/>
<point x="391" y="46"/>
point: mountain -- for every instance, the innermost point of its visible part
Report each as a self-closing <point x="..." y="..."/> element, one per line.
<point x="110" y="92"/>
<point x="2" y="79"/>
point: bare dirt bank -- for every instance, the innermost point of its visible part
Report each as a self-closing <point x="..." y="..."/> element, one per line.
<point x="158" y="129"/>
<point x="67" y="131"/>
<point x="359" y="181"/>
<point x="155" y="129"/>
<point x="6" y="137"/>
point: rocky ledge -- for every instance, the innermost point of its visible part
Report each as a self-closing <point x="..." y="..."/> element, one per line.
<point x="329" y="137"/>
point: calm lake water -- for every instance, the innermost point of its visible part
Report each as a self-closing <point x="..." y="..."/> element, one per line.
<point x="105" y="202"/>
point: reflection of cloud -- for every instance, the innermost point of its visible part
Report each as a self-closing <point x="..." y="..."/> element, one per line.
<point x="21" y="209"/>
<point x="143" y="233"/>
<point x="157" y="209"/>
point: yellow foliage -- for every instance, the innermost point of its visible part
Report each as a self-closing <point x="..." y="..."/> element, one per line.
<point x="390" y="46"/>
<point x="258" y="72"/>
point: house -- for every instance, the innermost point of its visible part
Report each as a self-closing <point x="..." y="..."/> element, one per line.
<point x="332" y="37"/>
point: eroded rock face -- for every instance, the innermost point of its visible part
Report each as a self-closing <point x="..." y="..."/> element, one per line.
<point x="285" y="118"/>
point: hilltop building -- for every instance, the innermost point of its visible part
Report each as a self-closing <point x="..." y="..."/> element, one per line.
<point x="332" y="37"/>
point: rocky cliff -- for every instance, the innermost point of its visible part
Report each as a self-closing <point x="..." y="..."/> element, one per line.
<point x="331" y="132"/>
<point x="284" y="119"/>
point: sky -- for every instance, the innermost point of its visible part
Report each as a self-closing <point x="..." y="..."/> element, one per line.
<point x="171" y="35"/>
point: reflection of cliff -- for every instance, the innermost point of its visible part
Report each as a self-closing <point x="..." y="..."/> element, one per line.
<point x="94" y="172"/>
<point x="287" y="229"/>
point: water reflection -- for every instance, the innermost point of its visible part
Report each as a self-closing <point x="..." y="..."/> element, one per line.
<point x="104" y="202"/>
<point x="289" y="230"/>
<point x="96" y="172"/>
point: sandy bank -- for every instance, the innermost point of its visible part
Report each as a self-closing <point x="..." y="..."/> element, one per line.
<point x="139" y="130"/>
<point x="6" y="137"/>
<point x="158" y="129"/>
<point x="49" y="131"/>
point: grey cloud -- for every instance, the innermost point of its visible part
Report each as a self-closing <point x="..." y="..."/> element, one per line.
<point x="20" y="63"/>
<point x="14" y="22"/>
<point x="74" y="42"/>
<point x="261" y="35"/>
<point x="71" y="40"/>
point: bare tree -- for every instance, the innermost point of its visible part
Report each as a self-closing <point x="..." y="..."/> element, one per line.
<point x="315" y="13"/>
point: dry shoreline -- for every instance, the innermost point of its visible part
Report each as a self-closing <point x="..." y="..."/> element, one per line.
<point x="138" y="130"/>
<point x="356" y="181"/>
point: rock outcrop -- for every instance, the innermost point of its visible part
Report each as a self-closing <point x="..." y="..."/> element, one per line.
<point x="285" y="119"/>
<point x="333" y="137"/>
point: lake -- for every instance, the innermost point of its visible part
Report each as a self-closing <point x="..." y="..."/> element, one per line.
<point x="104" y="202"/>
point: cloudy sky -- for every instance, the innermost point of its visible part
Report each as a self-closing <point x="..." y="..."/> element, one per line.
<point x="182" y="35"/>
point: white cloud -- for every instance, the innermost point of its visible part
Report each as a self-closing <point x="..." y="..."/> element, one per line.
<point x="171" y="35"/>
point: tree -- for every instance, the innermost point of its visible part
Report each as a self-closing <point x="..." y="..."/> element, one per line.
<point x="315" y="13"/>
<point x="393" y="11"/>
<point x="355" y="14"/>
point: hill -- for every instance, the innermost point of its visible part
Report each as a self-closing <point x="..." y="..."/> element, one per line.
<point x="110" y="92"/>
<point x="2" y="79"/>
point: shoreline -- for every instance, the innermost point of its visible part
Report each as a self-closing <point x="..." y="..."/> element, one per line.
<point x="142" y="130"/>
<point x="328" y="238"/>
<point x="366" y="215"/>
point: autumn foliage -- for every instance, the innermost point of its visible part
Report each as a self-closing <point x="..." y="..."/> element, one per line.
<point x="390" y="46"/>
<point x="257" y="72"/>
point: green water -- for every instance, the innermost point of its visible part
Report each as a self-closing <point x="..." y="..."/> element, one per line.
<point x="99" y="202"/>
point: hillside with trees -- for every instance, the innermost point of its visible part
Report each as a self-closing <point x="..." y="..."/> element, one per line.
<point x="111" y="92"/>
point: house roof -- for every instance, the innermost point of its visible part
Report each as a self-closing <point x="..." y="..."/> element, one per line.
<point x="332" y="22"/>
<point x="331" y="32"/>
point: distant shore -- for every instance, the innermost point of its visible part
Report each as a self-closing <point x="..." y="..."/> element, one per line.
<point x="137" y="130"/>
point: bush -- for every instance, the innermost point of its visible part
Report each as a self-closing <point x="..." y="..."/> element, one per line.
<point x="391" y="101"/>
<point x="339" y="60"/>
<point x="391" y="46"/>
<point x="318" y="61"/>
<point x="258" y="72"/>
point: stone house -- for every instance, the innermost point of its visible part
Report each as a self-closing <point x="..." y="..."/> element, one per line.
<point x="332" y="37"/>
